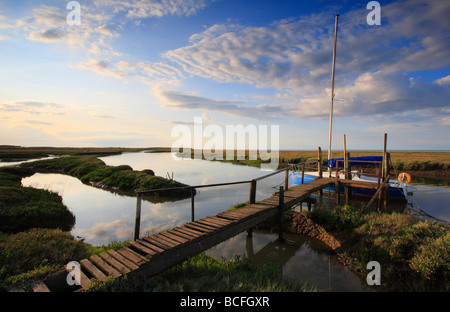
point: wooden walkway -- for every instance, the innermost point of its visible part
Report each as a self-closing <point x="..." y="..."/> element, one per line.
<point x="155" y="253"/>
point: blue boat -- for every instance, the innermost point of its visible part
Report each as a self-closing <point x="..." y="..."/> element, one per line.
<point x="397" y="189"/>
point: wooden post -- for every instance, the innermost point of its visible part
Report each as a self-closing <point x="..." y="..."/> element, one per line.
<point x="303" y="172"/>
<point x="319" y="164"/>
<point x="192" y="204"/>
<point x="252" y="192"/>
<point x="286" y="179"/>
<point x="137" y="222"/>
<point x="336" y="183"/>
<point x="280" y="213"/>
<point x="348" y="176"/>
<point x="386" y="190"/>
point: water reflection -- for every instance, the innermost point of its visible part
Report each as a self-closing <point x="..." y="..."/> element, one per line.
<point x="103" y="216"/>
<point x="298" y="257"/>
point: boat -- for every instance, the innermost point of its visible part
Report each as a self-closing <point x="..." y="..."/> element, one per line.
<point x="398" y="189"/>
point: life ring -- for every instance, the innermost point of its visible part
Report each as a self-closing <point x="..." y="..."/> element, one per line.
<point x="404" y="177"/>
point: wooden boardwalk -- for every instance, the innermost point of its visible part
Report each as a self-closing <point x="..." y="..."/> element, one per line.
<point x="155" y="253"/>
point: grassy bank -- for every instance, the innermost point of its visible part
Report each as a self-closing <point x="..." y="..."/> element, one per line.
<point x="91" y="170"/>
<point x="414" y="254"/>
<point x="202" y="273"/>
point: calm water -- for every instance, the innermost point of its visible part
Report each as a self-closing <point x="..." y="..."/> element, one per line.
<point x="102" y="216"/>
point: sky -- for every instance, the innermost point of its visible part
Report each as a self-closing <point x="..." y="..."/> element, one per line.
<point x="131" y="71"/>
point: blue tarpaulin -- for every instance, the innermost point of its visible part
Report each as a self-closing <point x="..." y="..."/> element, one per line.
<point x="354" y="161"/>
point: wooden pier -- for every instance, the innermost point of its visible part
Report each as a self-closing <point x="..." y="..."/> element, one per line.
<point x="155" y="253"/>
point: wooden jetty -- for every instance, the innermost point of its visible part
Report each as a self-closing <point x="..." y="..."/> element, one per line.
<point x="155" y="253"/>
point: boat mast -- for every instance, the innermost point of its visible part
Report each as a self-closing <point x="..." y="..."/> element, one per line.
<point x="332" y="92"/>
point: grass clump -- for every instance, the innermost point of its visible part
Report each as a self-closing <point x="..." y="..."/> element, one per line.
<point x="202" y="273"/>
<point x="36" y="253"/>
<point x="91" y="170"/>
<point x="414" y="254"/>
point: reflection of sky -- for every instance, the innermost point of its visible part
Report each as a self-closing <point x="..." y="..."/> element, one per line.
<point x="102" y="216"/>
<point x="306" y="263"/>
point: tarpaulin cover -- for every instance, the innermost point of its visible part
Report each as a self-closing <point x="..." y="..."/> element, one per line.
<point x="354" y="161"/>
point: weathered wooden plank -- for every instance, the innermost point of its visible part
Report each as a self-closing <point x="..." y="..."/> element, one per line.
<point x="170" y="242"/>
<point x="131" y="255"/>
<point x="186" y="235"/>
<point x="130" y="264"/>
<point x="177" y="255"/>
<point x="116" y="264"/>
<point x="198" y="227"/>
<point x="206" y="225"/>
<point x="39" y="286"/>
<point x="84" y="280"/>
<point x="85" y="263"/>
<point x="177" y="238"/>
<point x="189" y="232"/>
<point x="209" y="223"/>
<point x="104" y="266"/>
<point x="149" y="252"/>
<point x="157" y="242"/>
<point x="151" y="245"/>
<point x="219" y="220"/>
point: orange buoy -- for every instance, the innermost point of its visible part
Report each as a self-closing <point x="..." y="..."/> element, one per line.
<point x="404" y="177"/>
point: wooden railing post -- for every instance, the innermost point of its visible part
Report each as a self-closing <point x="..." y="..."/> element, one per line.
<point x="192" y="204"/>
<point x="280" y="213"/>
<point x="319" y="163"/>
<point x="252" y="192"/>
<point x="137" y="223"/>
<point x="286" y="179"/>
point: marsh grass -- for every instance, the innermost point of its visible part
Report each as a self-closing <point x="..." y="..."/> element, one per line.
<point x="91" y="170"/>
<point x="414" y="254"/>
<point x="202" y="273"/>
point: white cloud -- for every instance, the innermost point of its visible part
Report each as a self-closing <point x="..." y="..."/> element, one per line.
<point x="149" y="8"/>
<point x="443" y="81"/>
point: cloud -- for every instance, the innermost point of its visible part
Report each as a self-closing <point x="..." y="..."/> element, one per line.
<point x="149" y="8"/>
<point x="443" y="81"/>
<point x="294" y="57"/>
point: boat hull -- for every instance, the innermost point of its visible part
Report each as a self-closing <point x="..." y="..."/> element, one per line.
<point x="396" y="191"/>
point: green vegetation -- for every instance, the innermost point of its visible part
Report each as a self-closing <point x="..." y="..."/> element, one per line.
<point x="16" y="153"/>
<point x="23" y="208"/>
<point x="36" y="253"/>
<point x="414" y="254"/>
<point x="91" y="170"/>
<point x="205" y="274"/>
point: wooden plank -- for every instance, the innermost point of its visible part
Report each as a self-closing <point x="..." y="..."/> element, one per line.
<point x="39" y="286"/>
<point x="125" y="261"/>
<point x="149" y="252"/>
<point x="104" y="266"/>
<point x="150" y="245"/>
<point x="84" y="280"/>
<point x="116" y="264"/>
<point x="85" y="263"/>
<point x="229" y="216"/>
<point x="130" y="255"/>
<point x="186" y="235"/>
<point x="175" y="256"/>
<point x="206" y="225"/>
<point x="209" y="223"/>
<point x="168" y="241"/>
<point x="188" y="232"/>
<point x="156" y="242"/>
<point x="198" y="227"/>
<point x="220" y="220"/>
<point x="175" y="237"/>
